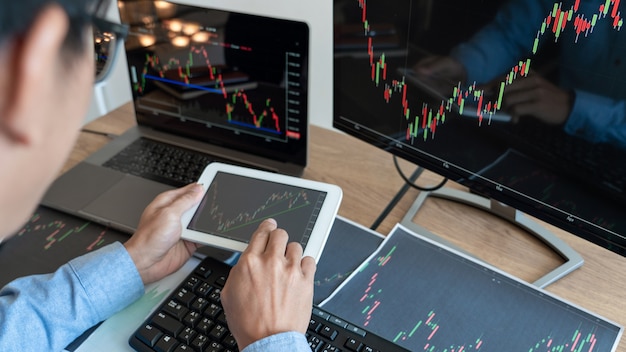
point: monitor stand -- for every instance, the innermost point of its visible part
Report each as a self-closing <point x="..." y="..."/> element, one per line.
<point x="572" y="259"/>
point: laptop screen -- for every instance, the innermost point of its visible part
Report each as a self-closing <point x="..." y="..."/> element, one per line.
<point x="231" y="79"/>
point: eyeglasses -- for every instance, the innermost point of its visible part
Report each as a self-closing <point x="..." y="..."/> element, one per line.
<point x="107" y="38"/>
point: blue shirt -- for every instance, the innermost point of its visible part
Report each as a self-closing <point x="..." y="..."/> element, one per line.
<point x="47" y="312"/>
<point x="599" y="110"/>
<point x="284" y="342"/>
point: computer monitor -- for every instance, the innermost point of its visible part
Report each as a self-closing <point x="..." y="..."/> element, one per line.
<point x="522" y="101"/>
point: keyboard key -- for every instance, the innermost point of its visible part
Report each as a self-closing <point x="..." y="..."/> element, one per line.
<point x="204" y="289"/>
<point x="185" y="297"/>
<point x="200" y="342"/>
<point x="149" y="335"/>
<point x="230" y="341"/>
<point x="183" y="348"/>
<point x="192" y="282"/>
<point x="222" y="319"/>
<point x="192" y="318"/>
<point x="166" y="343"/>
<point x="331" y="348"/>
<point x="205" y="326"/>
<point x="328" y="332"/>
<point x="214" y="347"/>
<point x="187" y="335"/>
<point x="356" y="330"/>
<point x="221" y="281"/>
<point x="203" y="271"/>
<point x="167" y="323"/>
<point x="218" y="332"/>
<point x="315" y="343"/>
<point x="212" y="311"/>
<point x="175" y="309"/>
<point x="319" y="313"/>
<point x="353" y="345"/>
<point x="338" y="321"/>
<point x="314" y="325"/>
<point x="199" y="304"/>
<point x="215" y="295"/>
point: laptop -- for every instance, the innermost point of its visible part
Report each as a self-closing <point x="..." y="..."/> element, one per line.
<point x="229" y="85"/>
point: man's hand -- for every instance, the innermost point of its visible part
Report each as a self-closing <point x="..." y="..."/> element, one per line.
<point x="156" y="247"/>
<point x="535" y="96"/>
<point x="442" y="72"/>
<point x="270" y="290"/>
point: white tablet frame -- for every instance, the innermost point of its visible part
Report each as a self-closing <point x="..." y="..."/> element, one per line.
<point x="320" y="231"/>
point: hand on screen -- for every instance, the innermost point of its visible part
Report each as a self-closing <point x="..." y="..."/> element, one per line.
<point x="536" y="96"/>
<point x="444" y="69"/>
<point x="270" y="289"/>
<point x="156" y="247"/>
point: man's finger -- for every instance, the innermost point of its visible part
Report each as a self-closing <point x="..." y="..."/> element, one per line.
<point x="294" y="252"/>
<point x="308" y="267"/>
<point x="259" y="239"/>
<point x="277" y="243"/>
<point x="187" y="194"/>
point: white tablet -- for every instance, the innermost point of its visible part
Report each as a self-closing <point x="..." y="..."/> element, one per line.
<point x="238" y="199"/>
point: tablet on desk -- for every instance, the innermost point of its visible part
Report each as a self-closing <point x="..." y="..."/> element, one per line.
<point x="238" y="199"/>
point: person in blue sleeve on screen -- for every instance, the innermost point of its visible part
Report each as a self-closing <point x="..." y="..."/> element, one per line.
<point x="46" y="74"/>
<point x="588" y="99"/>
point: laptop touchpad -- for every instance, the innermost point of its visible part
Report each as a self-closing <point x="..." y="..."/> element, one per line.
<point x="79" y="186"/>
<point x="123" y="204"/>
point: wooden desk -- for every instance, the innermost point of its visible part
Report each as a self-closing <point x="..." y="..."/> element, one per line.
<point x="369" y="182"/>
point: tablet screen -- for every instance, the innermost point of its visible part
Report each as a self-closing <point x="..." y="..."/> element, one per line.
<point x="235" y="205"/>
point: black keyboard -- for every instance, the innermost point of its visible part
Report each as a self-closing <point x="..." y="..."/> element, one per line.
<point x="192" y="319"/>
<point x="161" y="162"/>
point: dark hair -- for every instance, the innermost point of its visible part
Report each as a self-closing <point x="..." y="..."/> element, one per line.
<point x="16" y="16"/>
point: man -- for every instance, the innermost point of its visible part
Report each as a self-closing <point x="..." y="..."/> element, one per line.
<point x="46" y="75"/>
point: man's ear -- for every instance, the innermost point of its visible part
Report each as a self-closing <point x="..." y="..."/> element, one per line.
<point x="32" y="74"/>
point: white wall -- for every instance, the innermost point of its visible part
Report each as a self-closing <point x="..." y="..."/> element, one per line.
<point x="115" y="91"/>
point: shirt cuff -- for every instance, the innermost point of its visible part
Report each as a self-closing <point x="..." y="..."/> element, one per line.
<point x="285" y="341"/>
<point x="110" y="279"/>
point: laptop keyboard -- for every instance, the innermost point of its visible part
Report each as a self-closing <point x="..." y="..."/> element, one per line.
<point x="161" y="162"/>
<point x="192" y="319"/>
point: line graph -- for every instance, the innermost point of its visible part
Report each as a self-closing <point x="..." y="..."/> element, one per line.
<point x="226" y="77"/>
<point x="423" y="122"/>
<point x="276" y="204"/>
<point x="234" y="205"/>
<point x="195" y="73"/>
<point x="426" y="298"/>
<point x="56" y="230"/>
<point x="257" y="120"/>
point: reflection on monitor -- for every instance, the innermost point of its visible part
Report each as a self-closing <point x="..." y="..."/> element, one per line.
<point x="523" y="101"/>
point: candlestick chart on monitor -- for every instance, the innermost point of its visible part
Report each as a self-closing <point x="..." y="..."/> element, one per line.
<point x="437" y="100"/>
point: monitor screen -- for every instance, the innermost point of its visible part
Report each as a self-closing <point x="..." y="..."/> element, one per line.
<point x="232" y="79"/>
<point x="522" y="101"/>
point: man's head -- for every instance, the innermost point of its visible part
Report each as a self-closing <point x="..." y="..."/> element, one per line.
<point x="17" y="16"/>
<point x="46" y="78"/>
